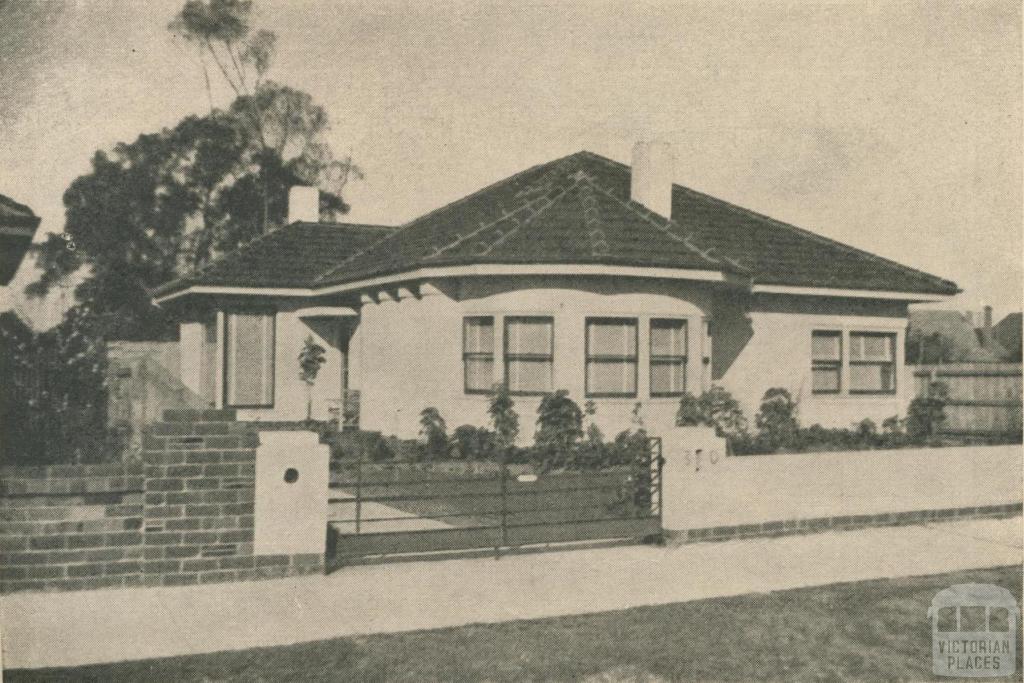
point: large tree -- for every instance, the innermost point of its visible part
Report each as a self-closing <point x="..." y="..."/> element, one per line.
<point x="168" y="202"/>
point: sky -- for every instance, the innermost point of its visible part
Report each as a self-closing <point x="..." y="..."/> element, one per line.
<point x="894" y="127"/>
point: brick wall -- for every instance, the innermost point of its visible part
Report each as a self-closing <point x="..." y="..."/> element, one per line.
<point x="70" y="527"/>
<point x="182" y="516"/>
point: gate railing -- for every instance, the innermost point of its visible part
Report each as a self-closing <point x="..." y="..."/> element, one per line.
<point x="412" y="506"/>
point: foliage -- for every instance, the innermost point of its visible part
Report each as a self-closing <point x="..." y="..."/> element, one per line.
<point x="504" y="418"/>
<point x="169" y="202"/>
<point x="927" y="413"/>
<point x="434" y="431"/>
<point x="776" y="420"/>
<point x="311" y="359"/>
<point x="222" y="32"/>
<point x="559" y="428"/>
<point x="54" y="390"/>
<point x="473" y="443"/>
<point x="714" y="408"/>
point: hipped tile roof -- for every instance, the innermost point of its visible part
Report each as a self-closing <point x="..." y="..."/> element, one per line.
<point x="574" y="210"/>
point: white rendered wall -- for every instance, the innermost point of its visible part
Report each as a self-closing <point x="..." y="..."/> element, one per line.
<point x="770" y="488"/>
<point x="411" y="346"/>
<point x="290" y="512"/>
<point x="765" y="342"/>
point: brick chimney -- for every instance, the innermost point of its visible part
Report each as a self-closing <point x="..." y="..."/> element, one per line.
<point x="653" y="169"/>
<point x="303" y="204"/>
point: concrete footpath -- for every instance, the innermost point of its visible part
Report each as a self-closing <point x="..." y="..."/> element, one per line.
<point x="64" y="629"/>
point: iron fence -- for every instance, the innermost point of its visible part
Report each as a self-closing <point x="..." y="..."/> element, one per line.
<point x="397" y="508"/>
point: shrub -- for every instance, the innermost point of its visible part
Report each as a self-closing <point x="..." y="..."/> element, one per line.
<point x="776" y="421"/>
<point x="714" y="408"/>
<point x="559" y="428"/>
<point x="927" y="413"/>
<point x="504" y="418"/>
<point x="434" y="432"/>
<point x="53" y="405"/>
<point x="473" y="443"/>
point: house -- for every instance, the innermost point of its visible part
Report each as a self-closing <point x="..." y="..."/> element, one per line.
<point x="580" y="274"/>
<point x="945" y="336"/>
<point x="18" y="225"/>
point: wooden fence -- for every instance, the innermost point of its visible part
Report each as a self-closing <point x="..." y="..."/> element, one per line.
<point x="984" y="398"/>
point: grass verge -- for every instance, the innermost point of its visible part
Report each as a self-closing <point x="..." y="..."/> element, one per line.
<point x="872" y="630"/>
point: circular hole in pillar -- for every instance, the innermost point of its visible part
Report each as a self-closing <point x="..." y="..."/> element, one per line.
<point x="291" y="475"/>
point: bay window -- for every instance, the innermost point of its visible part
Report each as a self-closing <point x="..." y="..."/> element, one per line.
<point x="529" y="354"/>
<point x="611" y="357"/>
<point x="478" y="354"/>
<point x="249" y="360"/>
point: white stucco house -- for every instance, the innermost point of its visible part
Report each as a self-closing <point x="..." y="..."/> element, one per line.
<point x="580" y="274"/>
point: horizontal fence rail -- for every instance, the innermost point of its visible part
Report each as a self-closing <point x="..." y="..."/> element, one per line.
<point x="985" y="399"/>
<point x="382" y="511"/>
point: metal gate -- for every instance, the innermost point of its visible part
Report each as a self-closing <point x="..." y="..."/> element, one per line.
<point x="392" y="510"/>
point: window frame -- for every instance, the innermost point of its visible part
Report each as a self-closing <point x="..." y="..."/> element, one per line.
<point x="653" y="359"/>
<point x="607" y="357"/>
<point x="892" y="338"/>
<point x="837" y="364"/>
<point x="506" y="357"/>
<point x="226" y="360"/>
<point x="478" y="355"/>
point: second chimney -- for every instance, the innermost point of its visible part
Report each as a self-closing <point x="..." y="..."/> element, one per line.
<point x="303" y="204"/>
<point x="654" y="165"/>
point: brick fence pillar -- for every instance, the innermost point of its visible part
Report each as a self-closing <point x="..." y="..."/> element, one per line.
<point x="200" y="468"/>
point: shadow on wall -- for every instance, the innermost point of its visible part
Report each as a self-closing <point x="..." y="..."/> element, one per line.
<point x="731" y="330"/>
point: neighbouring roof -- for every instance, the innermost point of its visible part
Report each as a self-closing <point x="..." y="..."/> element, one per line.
<point x="961" y="340"/>
<point x="577" y="210"/>
<point x="1008" y="333"/>
<point x="291" y="256"/>
<point x="17" y="227"/>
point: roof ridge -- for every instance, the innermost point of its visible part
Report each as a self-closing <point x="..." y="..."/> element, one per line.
<point x="779" y="223"/>
<point x="561" y="196"/>
<point x="735" y="208"/>
<point x="542" y="203"/>
<point x="648" y="216"/>
<point x="339" y="224"/>
<point x="398" y="230"/>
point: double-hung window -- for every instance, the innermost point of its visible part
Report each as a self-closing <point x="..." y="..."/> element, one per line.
<point x="249" y="360"/>
<point x="826" y="362"/>
<point x="478" y="354"/>
<point x="529" y="354"/>
<point x="872" y="363"/>
<point x="611" y="357"/>
<point x="668" y="357"/>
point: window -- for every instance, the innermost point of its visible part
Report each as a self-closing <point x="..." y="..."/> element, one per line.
<point x="249" y="360"/>
<point x="872" y="363"/>
<point x="611" y="357"/>
<point x="478" y="354"/>
<point x="529" y="354"/>
<point x="668" y="357"/>
<point x="826" y="362"/>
